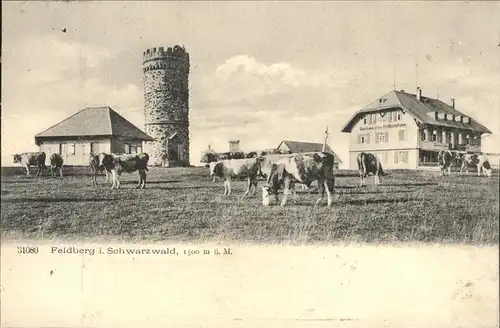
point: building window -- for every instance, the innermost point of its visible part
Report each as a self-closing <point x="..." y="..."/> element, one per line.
<point x="127" y="149"/>
<point x="70" y="149"/>
<point x="467" y="139"/>
<point x="94" y="148"/>
<point x="434" y="136"/>
<point x="422" y="135"/>
<point x="400" y="157"/>
<point x="402" y="135"/>
<point x="382" y="137"/>
<point x="364" y="138"/>
<point x="443" y="136"/>
<point x="364" y="120"/>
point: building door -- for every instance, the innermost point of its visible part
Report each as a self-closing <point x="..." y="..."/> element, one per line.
<point x="180" y="153"/>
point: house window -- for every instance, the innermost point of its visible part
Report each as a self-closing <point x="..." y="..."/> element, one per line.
<point x="434" y="135"/>
<point x="467" y="139"/>
<point x="443" y="136"/>
<point x="127" y="149"/>
<point x="364" y="120"/>
<point x="70" y="149"/>
<point x="400" y="157"/>
<point x="382" y="137"/>
<point x="402" y="135"/>
<point x="94" y="148"/>
<point x="133" y="149"/>
<point x="364" y="138"/>
<point x="422" y="135"/>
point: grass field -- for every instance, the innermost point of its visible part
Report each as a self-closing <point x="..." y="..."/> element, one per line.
<point x="185" y="205"/>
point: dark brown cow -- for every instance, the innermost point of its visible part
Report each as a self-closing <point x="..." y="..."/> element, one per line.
<point x="300" y="168"/>
<point x="95" y="167"/>
<point x="56" y="163"/>
<point x="128" y="163"/>
<point x="34" y="158"/>
<point x="369" y="163"/>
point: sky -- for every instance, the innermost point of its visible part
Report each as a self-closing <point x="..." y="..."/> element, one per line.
<point x="261" y="72"/>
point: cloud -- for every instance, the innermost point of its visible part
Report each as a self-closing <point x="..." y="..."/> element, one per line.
<point x="45" y="80"/>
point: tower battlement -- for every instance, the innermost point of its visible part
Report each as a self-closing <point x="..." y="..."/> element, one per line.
<point x="160" y="53"/>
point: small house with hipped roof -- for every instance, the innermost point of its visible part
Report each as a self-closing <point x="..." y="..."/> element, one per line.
<point x="296" y="147"/>
<point x="407" y="131"/>
<point x="91" y="130"/>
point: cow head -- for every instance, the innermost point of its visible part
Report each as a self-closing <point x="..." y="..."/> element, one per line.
<point x="266" y="196"/>
<point x="16" y="158"/>
<point x="218" y="169"/>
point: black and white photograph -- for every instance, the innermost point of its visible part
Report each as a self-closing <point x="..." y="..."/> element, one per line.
<point x="347" y="151"/>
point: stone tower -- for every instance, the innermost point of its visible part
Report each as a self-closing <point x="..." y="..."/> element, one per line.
<point x="166" y="105"/>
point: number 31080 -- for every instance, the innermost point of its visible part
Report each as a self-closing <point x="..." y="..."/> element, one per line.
<point x="27" y="250"/>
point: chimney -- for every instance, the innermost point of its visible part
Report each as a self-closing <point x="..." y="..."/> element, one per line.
<point x="453" y="102"/>
<point x="419" y="93"/>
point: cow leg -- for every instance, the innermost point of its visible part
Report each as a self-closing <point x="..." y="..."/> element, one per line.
<point x="254" y="183"/>
<point x="329" y="190"/>
<point x="143" y="179"/>
<point x="249" y="180"/>
<point x="140" y="180"/>
<point x="321" y="190"/>
<point x="377" y="179"/>
<point x="294" y="190"/>
<point x="60" y="172"/>
<point x="229" y="187"/>
<point x="114" y="179"/>
<point x="286" y="191"/>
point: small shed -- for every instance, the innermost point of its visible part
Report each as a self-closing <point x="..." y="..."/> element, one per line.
<point x="91" y="130"/>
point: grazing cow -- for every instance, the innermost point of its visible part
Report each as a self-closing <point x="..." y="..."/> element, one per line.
<point x="270" y="159"/>
<point x="96" y="167"/>
<point x="229" y="170"/>
<point x="446" y="159"/>
<point x="369" y="163"/>
<point x="483" y="165"/>
<point x="300" y="168"/>
<point x="56" y="162"/>
<point x="128" y="163"/>
<point x="481" y="162"/>
<point x="34" y="158"/>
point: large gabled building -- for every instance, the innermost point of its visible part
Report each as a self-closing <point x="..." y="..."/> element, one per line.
<point x="407" y="131"/>
<point x="91" y="130"/>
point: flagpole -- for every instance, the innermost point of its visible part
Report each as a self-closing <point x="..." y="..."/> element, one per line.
<point x="326" y="139"/>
